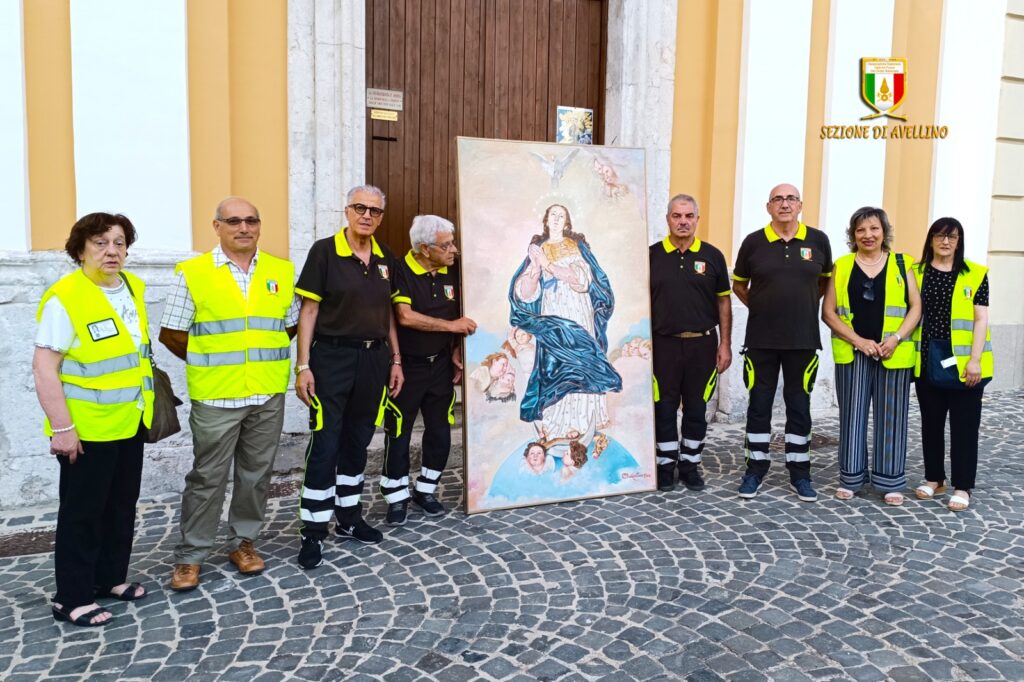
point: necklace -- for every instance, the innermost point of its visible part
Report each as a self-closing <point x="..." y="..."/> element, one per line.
<point x="871" y="265"/>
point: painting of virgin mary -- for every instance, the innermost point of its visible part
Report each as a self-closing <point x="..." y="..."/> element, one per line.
<point x="572" y="288"/>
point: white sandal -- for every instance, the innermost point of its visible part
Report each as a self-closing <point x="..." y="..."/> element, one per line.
<point x="926" y="492"/>
<point x="958" y="503"/>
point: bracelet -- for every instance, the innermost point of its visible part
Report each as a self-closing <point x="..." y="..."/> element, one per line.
<point x="899" y="339"/>
<point x="300" y="368"/>
<point x="65" y="429"/>
<point x="398" y="361"/>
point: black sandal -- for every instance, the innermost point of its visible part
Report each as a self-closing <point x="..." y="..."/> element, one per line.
<point x="130" y="593"/>
<point x="83" y="621"/>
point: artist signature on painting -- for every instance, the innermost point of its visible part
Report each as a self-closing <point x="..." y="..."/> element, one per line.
<point x="629" y="476"/>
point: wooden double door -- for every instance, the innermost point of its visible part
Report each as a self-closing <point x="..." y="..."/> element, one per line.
<point x="479" y="68"/>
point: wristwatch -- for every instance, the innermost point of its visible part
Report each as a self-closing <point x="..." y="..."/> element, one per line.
<point x="300" y="368"/>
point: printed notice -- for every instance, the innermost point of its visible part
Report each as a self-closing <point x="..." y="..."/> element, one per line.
<point x="383" y="115"/>
<point x="384" y="99"/>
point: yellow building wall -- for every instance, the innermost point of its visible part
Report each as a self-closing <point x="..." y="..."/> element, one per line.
<point x="48" y="115"/>
<point x="238" y="113"/>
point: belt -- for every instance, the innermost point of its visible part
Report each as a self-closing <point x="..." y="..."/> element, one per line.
<point x="349" y="342"/>
<point x="422" y="359"/>
<point x="692" y="335"/>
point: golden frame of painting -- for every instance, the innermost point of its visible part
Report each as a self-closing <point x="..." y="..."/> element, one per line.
<point x="558" y="393"/>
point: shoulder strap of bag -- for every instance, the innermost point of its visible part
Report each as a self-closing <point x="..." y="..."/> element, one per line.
<point x="903" y="273"/>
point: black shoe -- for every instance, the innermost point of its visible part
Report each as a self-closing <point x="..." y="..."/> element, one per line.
<point x="360" y="530"/>
<point x="311" y="553"/>
<point x="666" y="480"/>
<point x="397" y="513"/>
<point x="429" y="504"/>
<point x="693" y="480"/>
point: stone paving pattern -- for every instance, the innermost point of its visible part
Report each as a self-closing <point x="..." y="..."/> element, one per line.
<point x="680" y="585"/>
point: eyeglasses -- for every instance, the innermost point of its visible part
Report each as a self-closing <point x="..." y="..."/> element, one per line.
<point x="235" y="222"/>
<point x="869" y="290"/>
<point x="777" y="199"/>
<point x="951" y="238"/>
<point x="447" y="246"/>
<point x="363" y="208"/>
<point x="102" y="244"/>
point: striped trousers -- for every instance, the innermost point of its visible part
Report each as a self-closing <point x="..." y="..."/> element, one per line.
<point x="860" y="385"/>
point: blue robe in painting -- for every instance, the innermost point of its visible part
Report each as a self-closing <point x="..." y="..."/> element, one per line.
<point x="569" y="359"/>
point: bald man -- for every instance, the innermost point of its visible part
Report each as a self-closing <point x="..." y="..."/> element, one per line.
<point x="781" y="273"/>
<point x="230" y="315"/>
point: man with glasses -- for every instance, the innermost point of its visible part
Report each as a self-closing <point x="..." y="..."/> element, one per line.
<point x="230" y="315"/>
<point x="348" y="364"/>
<point x="780" y="275"/>
<point x="430" y="325"/>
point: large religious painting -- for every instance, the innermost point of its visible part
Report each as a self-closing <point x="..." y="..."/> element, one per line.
<point x="559" y="391"/>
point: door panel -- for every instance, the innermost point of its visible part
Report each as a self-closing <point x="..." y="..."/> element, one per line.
<point x="481" y="68"/>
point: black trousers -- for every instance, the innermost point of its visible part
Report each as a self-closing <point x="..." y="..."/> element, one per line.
<point x="351" y="384"/>
<point x="685" y="372"/>
<point x="428" y="389"/>
<point x="761" y="373"/>
<point x="96" y="518"/>
<point x="964" y="410"/>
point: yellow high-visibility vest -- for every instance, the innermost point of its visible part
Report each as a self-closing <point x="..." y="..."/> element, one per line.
<point x="106" y="376"/>
<point x="895" y="312"/>
<point x="961" y="320"/>
<point x="238" y="347"/>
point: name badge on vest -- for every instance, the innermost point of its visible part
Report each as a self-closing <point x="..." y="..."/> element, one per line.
<point x="272" y="287"/>
<point x="449" y="292"/>
<point x="383" y="270"/>
<point x="104" y="329"/>
<point x="700" y="267"/>
<point x="806" y="254"/>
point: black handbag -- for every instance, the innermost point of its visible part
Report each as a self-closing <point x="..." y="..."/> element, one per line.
<point x="165" y="415"/>
<point x="940" y="351"/>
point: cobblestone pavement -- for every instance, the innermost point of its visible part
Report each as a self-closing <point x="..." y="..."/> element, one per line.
<point x="700" y="586"/>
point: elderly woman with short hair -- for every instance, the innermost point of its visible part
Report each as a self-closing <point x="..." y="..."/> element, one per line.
<point x="872" y="308"/>
<point x="94" y="381"/>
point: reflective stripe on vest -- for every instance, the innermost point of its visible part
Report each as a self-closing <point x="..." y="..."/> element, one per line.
<point x="74" y="368"/>
<point x="894" y="312"/>
<point x="110" y="396"/>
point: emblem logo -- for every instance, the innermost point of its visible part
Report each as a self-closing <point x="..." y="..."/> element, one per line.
<point x="383" y="270"/>
<point x="699" y="267"/>
<point x="806" y="254"/>
<point x="883" y="85"/>
<point x="449" y="292"/>
<point x="967" y="292"/>
<point x="272" y="286"/>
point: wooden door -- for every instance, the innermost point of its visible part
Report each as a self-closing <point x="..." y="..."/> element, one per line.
<point x="481" y="68"/>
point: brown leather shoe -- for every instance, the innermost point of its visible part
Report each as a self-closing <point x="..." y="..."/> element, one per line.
<point x="246" y="560"/>
<point x="185" y="577"/>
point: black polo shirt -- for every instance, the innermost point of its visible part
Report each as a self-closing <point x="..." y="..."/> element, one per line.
<point x="432" y="294"/>
<point x="355" y="299"/>
<point x="685" y="287"/>
<point x="783" y="276"/>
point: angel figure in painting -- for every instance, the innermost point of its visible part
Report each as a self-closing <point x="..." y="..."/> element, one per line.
<point x="562" y="296"/>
